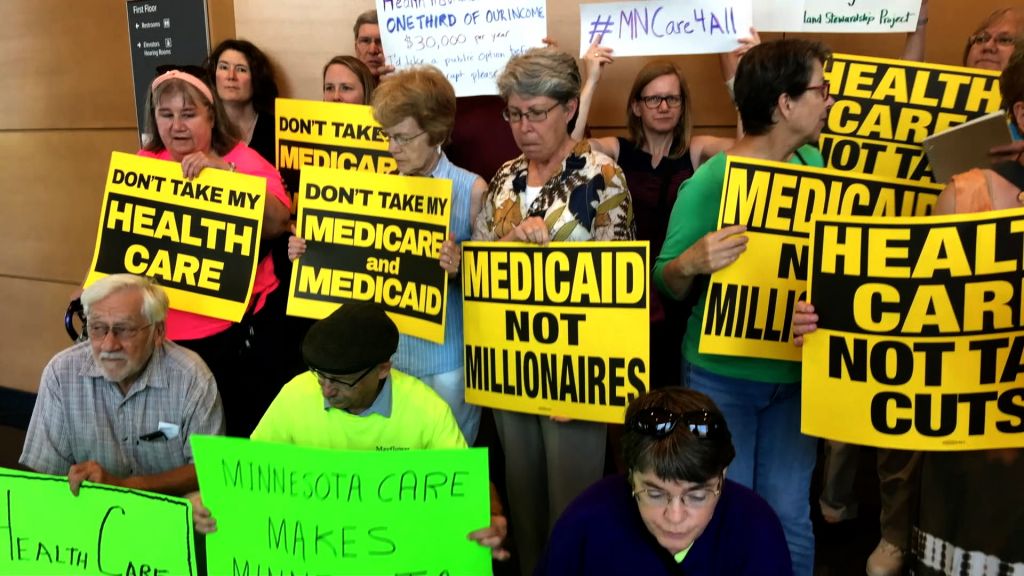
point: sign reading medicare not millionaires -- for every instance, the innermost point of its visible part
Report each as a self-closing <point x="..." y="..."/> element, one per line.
<point x="848" y="16"/>
<point x="884" y="109"/>
<point x="665" y="26"/>
<point x="376" y="238"/>
<point x="750" y="303"/>
<point x="285" y="509"/>
<point x="558" y="330"/>
<point x="103" y="531"/>
<point x="199" y="238"/>
<point x="469" y="40"/>
<point x="920" y="340"/>
<point x="328" y="135"/>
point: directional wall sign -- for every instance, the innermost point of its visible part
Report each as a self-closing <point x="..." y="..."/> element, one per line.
<point x="162" y="33"/>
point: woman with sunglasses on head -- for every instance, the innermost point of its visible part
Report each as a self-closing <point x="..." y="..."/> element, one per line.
<point x="674" y="512"/>
<point x="187" y="124"/>
<point x="416" y="107"/>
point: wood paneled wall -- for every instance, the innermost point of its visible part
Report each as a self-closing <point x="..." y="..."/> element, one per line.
<point x="67" y="102"/>
<point x="66" y="93"/>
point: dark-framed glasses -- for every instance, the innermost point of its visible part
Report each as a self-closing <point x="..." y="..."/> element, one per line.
<point x="120" y="331"/>
<point x="652" y="102"/>
<point x="822" y="89"/>
<point x="514" y="116"/>
<point x="338" y="381"/>
<point x="659" y="422"/>
<point x="1002" y="40"/>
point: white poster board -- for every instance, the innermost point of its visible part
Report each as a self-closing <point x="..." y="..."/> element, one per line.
<point x="666" y="26"/>
<point x="470" y="41"/>
<point x="857" y="16"/>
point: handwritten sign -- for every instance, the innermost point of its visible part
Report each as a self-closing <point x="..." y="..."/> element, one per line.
<point x="885" y="108"/>
<point x="329" y="135"/>
<point x="537" y="322"/>
<point x="470" y="40"/>
<point x="836" y="15"/>
<point x="284" y="509"/>
<point x="750" y="302"/>
<point x="665" y="26"/>
<point x="198" y="237"/>
<point x="103" y="531"/>
<point x="920" y="337"/>
<point x="377" y="238"/>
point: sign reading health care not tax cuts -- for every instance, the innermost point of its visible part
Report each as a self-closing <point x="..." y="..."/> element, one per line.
<point x="920" y="339"/>
<point x="848" y="16"/>
<point x="469" y="40"/>
<point x="665" y="26"/>
<point x="285" y="509"/>
<point x="104" y="531"/>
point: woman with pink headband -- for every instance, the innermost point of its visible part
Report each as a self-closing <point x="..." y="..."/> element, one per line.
<point x="187" y="124"/>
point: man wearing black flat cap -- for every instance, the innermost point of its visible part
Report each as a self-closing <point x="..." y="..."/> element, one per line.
<point x="351" y="399"/>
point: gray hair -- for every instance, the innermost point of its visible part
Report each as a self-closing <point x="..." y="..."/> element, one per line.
<point x="368" y="17"/>
<point x="541" y="72"/>
<point x="154" y="299"/>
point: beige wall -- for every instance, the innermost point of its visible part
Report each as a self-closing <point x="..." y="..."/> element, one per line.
<point x="67" y="102"/>
<point x="65" y="85"/>
<point x="301" y="35"/>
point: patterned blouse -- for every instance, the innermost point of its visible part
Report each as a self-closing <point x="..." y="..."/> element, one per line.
<point x="587" y="200"/>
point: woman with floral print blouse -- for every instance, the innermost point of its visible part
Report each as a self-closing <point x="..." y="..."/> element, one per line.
<point x="557" y="190"/>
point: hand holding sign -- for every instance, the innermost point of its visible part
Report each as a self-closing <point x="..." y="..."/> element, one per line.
<point x="805" y="321"/>
<point x="714" y="251"/>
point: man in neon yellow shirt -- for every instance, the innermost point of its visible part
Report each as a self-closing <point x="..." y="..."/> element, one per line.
<point x="352" y="399"/>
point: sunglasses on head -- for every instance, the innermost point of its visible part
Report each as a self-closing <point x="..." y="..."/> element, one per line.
<point x="659" y="422"/>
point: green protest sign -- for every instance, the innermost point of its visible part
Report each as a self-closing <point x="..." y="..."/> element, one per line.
<point x="284" y="509"/>
<point x="104" y="531"/>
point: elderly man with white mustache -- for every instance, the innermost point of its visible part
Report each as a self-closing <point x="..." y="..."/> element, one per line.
<point x="120" y="408"/>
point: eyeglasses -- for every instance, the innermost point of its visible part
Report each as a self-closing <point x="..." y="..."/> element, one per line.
<point x="821" y="88"/>
<point x="402" y="141"/>
<point x="652" y="102"/>
<point x="120" y="331"/>
<point x="695" y="499"/>
<point x="659" y="422"/>
<point x="513" y="116"/>
<point x="368" y="41"/>
<point x="332" y="379"/>
<point x="1003" y="40"/>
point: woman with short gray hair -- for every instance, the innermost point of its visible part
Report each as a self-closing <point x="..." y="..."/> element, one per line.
<point x="557" y="190"/>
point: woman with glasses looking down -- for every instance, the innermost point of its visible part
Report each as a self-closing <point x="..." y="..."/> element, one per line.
<point x="557" y="190"/>
<point x="674" y="512"/>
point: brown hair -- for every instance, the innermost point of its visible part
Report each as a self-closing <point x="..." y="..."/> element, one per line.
<point x="422" y="93"/>
<point x="684" y="128"/>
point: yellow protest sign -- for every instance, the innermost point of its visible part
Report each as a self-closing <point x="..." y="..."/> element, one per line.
<point x="103" y="531"/>
<point x="559" y="330"/>
<point x="328" y="135"/>
<point x="285" y="509"/>
<point x="373" y="237"/>
<point x="199" y="238"/>
<point x="885" y="108"/>
<point x="920" y="340"/>
<point x="750" y="302"/>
